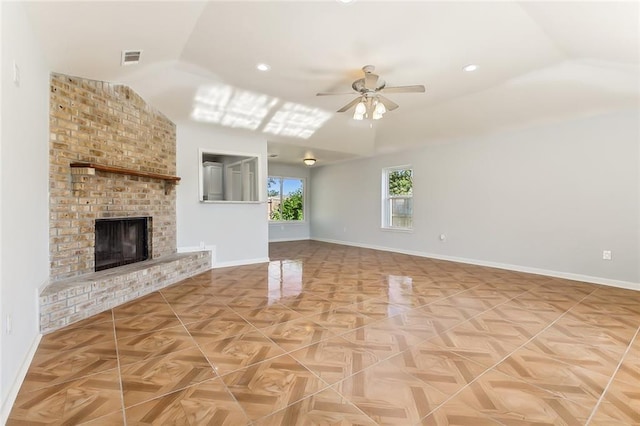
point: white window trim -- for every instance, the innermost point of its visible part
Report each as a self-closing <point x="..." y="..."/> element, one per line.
<point x="304" y="199"/>
<point x="385" y="202"/>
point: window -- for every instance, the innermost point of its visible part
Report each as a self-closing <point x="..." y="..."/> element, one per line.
<point x="286" y="199"/>
<point x="397" y="194"/>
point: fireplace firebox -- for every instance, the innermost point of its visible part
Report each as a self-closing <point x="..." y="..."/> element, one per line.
<point x="121" y="241"/>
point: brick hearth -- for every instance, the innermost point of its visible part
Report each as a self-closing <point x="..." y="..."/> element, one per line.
<point x="67" y="301"/>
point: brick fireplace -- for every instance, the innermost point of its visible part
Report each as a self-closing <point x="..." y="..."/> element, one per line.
<point x="108" y="124"/>
<point x="111" y="156"/>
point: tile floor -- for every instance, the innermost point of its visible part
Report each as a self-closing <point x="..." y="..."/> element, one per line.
<point x="329" y="334"/>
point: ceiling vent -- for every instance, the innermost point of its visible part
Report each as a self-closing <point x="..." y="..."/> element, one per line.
<point x="130" y="57"/>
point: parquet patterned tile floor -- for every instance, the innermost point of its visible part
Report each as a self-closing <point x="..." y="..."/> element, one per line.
<point x="329" y="334"/>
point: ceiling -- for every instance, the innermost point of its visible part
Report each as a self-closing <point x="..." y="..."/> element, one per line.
<point x="538" y="62"/>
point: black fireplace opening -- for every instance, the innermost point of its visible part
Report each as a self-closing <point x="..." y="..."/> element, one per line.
<point x="121" y="241"/>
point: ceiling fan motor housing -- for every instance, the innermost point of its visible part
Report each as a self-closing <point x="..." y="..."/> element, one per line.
<point x="359" y="86"/>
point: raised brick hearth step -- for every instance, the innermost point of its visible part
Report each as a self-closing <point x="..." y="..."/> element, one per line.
<point x="67" y="301"/>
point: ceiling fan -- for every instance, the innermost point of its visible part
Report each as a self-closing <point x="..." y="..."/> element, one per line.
<point x="370" y="103"/>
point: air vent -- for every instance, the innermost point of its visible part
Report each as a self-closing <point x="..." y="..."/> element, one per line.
<point x="130" y="57"/>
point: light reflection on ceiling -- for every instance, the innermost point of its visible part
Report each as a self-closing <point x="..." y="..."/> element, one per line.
<point x="227" y="106"/>
<point x="224" y="105"/>
<point x="296" y="120"/>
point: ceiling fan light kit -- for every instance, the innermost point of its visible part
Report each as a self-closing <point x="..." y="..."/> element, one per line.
<point x="361" y="110"/>
<point x="379" y="110"/>
<point x="371" y="103"/>
<point x="369" y="107"/>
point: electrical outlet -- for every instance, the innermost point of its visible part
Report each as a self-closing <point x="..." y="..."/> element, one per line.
<point x="16" y="74"/>
<point x="606" y="255"/>
<point x="9" y="324"/>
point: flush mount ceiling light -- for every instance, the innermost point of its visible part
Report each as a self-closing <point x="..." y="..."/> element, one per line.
<point x="309" y="161"/>
<point x="263" y="67"/>
<point x="470" y="68"/>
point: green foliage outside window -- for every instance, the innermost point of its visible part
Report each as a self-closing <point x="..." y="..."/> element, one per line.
<point x="288" y="206"/>
<point x="400" y="182"/>
<point x="292" y="206"/>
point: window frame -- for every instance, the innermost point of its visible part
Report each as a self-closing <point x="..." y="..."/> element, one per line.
<point x="387" y="199"/>
<point x="304" y="197"/>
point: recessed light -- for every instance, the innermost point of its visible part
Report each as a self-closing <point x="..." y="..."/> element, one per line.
<point x="263" y="67"/>
<point x="470" y="68"/>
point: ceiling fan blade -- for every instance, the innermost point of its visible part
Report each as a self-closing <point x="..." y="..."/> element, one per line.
<point x="388" y="104"/>
<point x="335" y="93"/>
<point x="370" y="80"/>
<point x="404" y="89"/>
<point x="349" y="105"/>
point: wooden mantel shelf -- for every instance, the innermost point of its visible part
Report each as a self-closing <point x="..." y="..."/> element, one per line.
<point x="123" y="171"/>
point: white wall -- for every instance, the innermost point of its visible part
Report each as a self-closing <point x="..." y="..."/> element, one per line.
<point x="3" y="399"/>
<point x="292" y="230"/>
<point x="548" y="199"/>
<point x="24" y="208"/>
<point x="239" y="232"/>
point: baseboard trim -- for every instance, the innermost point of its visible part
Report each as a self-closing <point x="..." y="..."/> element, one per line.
<point x="240" y="262"/>
<point x="283" y="240"/>
<point x="546" y="272"/>
<point x="7" y="404"/>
